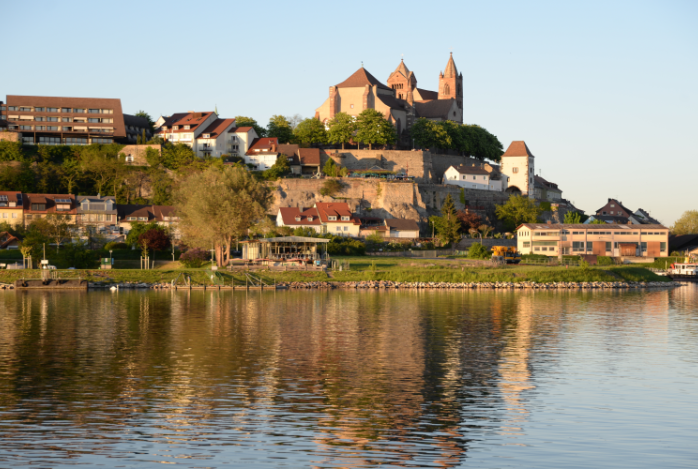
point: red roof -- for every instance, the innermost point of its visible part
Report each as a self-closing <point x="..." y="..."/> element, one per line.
<point x="263" y="145"/>
<point x="241" y="129"/>
<point x="309" y="156"/>
<point x="49" y="200"/>
<point x="361" y="78"/>
<point x="290" y="214"/>
<point x="12" y="196"/>
<point x="518" y="148"/>
<point x="192" y="119"/>
<point x="335" y="209"/>
<point x="217" y="127"/>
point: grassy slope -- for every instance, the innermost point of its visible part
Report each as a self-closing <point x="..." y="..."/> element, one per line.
<point x="362" y="268"/>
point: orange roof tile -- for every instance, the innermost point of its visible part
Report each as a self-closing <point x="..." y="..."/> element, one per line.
<point x="518" y="148"/>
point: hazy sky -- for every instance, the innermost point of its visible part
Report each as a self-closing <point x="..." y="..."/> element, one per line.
<point x="604" y="93"/>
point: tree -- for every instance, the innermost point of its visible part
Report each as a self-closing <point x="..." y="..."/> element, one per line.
<point x="572" y="218"/>
<point x="147" y="117"/>
<point x="161" y="186"/>
<point x="478" y="251"/>
<point x="101" y="170"/>
<point x="428" y="134"/>
<point x="177" y="156"/>
<point x="331" y="187"/>
<point x="217" y="206"/>
<point x="469" y="220"/>
<point x="331" y="168"/>
<point x="154" y="239"/>
<point x="373" y="128"/>
<point x="294" y="120"/>
<point x="484" y="230"/>
<point x="280" y="128"/>
<point x="310" y="131"/>
<point x="341" y="128"/>
<point x="137" y="229"/>
<point x="305" y="231"/>
<point x="517" y="210"/>
<point x="597" y="221"/>
<point x="480" y="144"/>
<point x="447" y="225"/>
<point x="686" y="224"/>
<point x="53" y="227"/>
<point x="71" y="174"/>
<point x="278" y="169"/>
<point x="242" y="121"/>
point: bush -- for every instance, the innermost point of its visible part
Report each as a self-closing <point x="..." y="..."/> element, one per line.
<point x="604" y="260"/>
<point x="478" y="251"/>
<point x="346" y="247"/>
<point x="194" y="258"/>
<point x="113" y="246"/>
<point x="331" y="187"/>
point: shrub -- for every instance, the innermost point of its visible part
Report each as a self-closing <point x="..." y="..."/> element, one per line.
<point x="346" y="247"/>
<point x="305" y="231"/>
<point x="604" y="260"/>
<point x="114" y="246"/>
<point x="331" y="187"/>
<point x="584" y="265"/>
<point x="478" y="251"/>
<point x="194" y="258"/>
<point x="545" y="206"/>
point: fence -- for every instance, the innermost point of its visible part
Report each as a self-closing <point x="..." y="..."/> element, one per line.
<point x="551" y="261"/>
<point x="430" y="254"/>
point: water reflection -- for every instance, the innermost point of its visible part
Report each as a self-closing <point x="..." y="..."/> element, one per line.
<point x="322" y="379"/>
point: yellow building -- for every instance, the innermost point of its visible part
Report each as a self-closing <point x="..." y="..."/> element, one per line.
<point x="11" y="208"/>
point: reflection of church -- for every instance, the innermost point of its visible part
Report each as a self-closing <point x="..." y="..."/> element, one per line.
<point x="401" y="101"/>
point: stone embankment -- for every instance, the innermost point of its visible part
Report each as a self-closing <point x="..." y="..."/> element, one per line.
<point x="381" y="284"/>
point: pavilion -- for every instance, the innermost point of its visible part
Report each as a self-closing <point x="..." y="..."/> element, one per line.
<point x="285" y="248"/>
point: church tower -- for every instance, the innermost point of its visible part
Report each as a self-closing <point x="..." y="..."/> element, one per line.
<point x="451" y="83"/>
<point x="403" y="82"/>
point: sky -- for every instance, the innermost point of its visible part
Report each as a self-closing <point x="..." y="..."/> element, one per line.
<point x="604" y="93"/>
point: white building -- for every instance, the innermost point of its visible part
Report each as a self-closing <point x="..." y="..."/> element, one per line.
<point x="471" y="177"/>
<point x="263" y="152"/>
<point x="518" y="164"/>
<point x="217" y="139"/>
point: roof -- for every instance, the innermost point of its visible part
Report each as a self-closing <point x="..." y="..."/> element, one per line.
<point x="439" y="108"/>
<point x="241" y="129"/>
<point x="580" y="226"/>
<point x="12" y="196"/>
<point x="620" y="204"/>
<point x="50" y="201"/>
<point x="150" y="212"/>
<point x="361" y="78"/>
<point x="392" y="102"/>
<point x="174" y="118"/>
<point x="451" y="70"/>
<point x="95" y="198"/>
<point x="7" y="239"/>
<point x="402" y="68"/>
<point x="336" y="209"/>
<point x="309" y="156"/>
<point x="676" y="243"/>
<point x="288" y="149"/>
<point x="289" y="214"/>
<point x="540" y="182"/>
<point x="518" y="148"/>
<point x="402" y="224"/>
<point x="136" y="121"/>
<point x="262" y="144"/>
<point x="464" y="169"/>
<point x="428" y="95"/>
<point x="217" y="127"/>
<point x="288" y="239"/>
<point x="645" y="216"/>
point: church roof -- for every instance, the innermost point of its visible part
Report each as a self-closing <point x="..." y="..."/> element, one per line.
<point x="402" y="68"/>
<point x="361" y="78"/>
<point x="518" y="148"/>
<point x="392" y="102"/>
<point x="438" y="108"/>
<point x="451" y="70"/>
<point x="427" y="95"/>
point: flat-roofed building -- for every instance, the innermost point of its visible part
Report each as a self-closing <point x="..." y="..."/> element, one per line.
<point x="601" y="240"/>
<point x="11" y="208"/>
<point x="49" y="120"/>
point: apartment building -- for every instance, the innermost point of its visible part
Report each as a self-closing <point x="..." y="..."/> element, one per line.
<point x="333" y="218"/>
<point x="96" y="211"/>
<point x="49" y="120"/>
<point x="601" y="240"/>
<point x="11" y="208"/>
<point x="40" y="205"/>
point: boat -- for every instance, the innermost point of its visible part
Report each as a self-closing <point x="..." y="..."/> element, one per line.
<point x="683" y="270"/>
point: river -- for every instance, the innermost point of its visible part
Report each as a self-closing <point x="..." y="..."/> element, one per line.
<point x="325" y="379"/>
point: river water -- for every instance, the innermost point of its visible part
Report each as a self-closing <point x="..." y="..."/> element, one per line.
<point x="485" y="379"/>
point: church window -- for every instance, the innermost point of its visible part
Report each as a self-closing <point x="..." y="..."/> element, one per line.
<point x="447" y="89"/>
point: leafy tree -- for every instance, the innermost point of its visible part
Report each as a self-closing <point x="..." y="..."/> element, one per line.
<point x="177" y="156"/>
<point x="469" y="220"/>
<point x="217" y="206"/>
<point x="294" y="120"/>
<point x="154" y="239"/>
<point x="55" y="227"/>
<point x="242" y="121"/>
<point x="310" y="131"/>
<point x="151" y="122"/>
<point x="597" y="221"/>
<point x="11" y="151"/>
<point x="447" y="225"/>
<point x="331" y="168"/>
<point x="161" y="186"/>
<point x="429" y="134"/>
<point x="71" y="174"/>
<point x="280" y="128"/>
<point x="480" y="144"/>
<point x="484" y="230"/>
<point x="341" y="128"/>
<point x="478" y="251"/>
<point x="572" y="218"/>
<point x="279" y="169"/>
<point x="137" y="229"/>
<point x="517" y="210"/>
<point x="372" y="128"/>
<point x="100" y="168"/>
<point x="194" y="258"/>
<point x="686" y="224"/>
<point x="77" y="255"/>
<point x="305" y="231"/>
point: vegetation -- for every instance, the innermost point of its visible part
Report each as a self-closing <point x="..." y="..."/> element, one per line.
<point x="468" y="220"/>
<point x="596" y="221"/>
<point x="216" y="207"/>
<point x="155" y="239"/>
<point x="572" y="218"/>
<point x="332" y="169"/>
<point x="242" y="121"/>
<point x="194" y="258"/>
<point x="448" y="224"/>
<point x="469" y="140"/>
<point x="279" y="127"/>
<point x="374" y="129"/>
<point x="341" y="128"/>
<point x="279" y="169"/>
<point x="686" y="224"/>
<point x="478" y="251"/>
<point x="331" y="187"/>
<point x="517" y="210"/>
<point x="310" y="131"/>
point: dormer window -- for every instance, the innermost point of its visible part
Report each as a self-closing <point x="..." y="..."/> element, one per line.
<point x="207" y="135"/>
<point x="187" y="127"/>
<point x="176" y="127"/>
<point x="298" y="218"/>
<point x="310" y="218"/>
<point x="345" y="218"/>
<point x="332" y="218"/>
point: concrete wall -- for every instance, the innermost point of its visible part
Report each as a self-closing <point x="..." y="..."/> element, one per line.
<point x="465" y="243"/>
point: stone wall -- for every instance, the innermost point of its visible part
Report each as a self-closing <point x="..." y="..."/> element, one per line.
<point x="7" y="136"/>
<point x="465" y="243"/>
<point x="138" y="153"/>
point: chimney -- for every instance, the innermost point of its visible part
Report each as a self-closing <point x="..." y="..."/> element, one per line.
<point x="550" y="222"/>
<point x="273" y="147"/>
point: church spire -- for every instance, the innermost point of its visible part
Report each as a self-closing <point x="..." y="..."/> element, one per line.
<point x="451" y="70"/>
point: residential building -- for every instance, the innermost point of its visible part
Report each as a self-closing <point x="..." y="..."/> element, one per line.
<point x="294" y="217"/>
<point x="186" y="127"/>
<point x="263" y="152"/>
<point x="602" y="240"/>
<point x="70" y="121"/>
<point x="518" y="164"/>
<point x="544" y="190"/>
<point x="96" y="211"/>
<point x="163" y="215"/>
<point x="472" y="177"/>
<point x="615" y="208"/>
<point x="338" y="219"/>
<point x="402" y="228"/>
<point x="217" y="139"/>
<point x="40" y="205"/>
<point x="615" y="212"/>
<point x="244" y="136"/>
<point x="401" y="101"/>
<point x="11" y="208"/>
<point x="9" y="241"/>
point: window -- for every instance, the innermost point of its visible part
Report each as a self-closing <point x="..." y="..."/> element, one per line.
<point x="344" y="218"/>
<point x="25" y="127"/>
<point x="514" y="170"/>
<point x="527" y="244"/>
<point x="14" y="215"/>
<point x="11" y="108"/>
<point x="590" y="246"/>
<point x="643" y="245"/>
<point x="38" y="109"/>
<point x="93" y="111"/>
<point x="662" y="247"/>
<point x="38" y="207"/>
<point x="613" y="205"/>
<point x="351" y="106"/>
<point x="78" y="111"/>
<point x="51" y="127"/>
<point x="187" y="127"/>
<point x="608" y="247"/>
<point x="39" y="119"/>
<point x="447" y="89"/>
<point x="93" y="120"/>
<point x="51" y="109"/>
<point x="66" y="109"/>
<point x="332" y="218"/>
<point x="577" y="246"/>
<point x="52" y="119"/>
<point x="25" y="109"/>
<point x="339" y="228"/>
<point x="346" y="228"/>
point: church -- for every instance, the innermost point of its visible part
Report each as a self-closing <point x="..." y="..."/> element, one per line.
<point x="400" y="101"/>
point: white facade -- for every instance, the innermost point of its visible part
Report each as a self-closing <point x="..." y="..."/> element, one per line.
<point x="467" y="180"/>
<point x="180" y="134"/>
<point x="216" y="145"/>
<point x="242" y="142"/>
<point x="520" y="171"/>
<point x="262" y="159"/>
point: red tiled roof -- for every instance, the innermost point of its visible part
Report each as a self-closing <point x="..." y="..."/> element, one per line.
<point x="309" y="156"/>
<point x="518" y="148"/>
<point x="289" y="214"/>
<point x="241" y="129"/>
<point x="6" y="239"/>
<point x="465" y="169"/>
<point x="12" y="196"/>
<point x="50" y="201"/>
<point x="263" y="144"/>
<point x="361" y="78"/>
<point x="336" y="209"/>
<point x="581" y="226"/>
<point x="217" y="127"/>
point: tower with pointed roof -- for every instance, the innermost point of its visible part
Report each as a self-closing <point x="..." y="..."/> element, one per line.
<point x="403" y="82"/>
<point x="451" y="83"/>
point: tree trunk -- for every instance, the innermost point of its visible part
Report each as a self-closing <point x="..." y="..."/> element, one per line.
<point x="342" y="145"/>
<point x="370" y="146"/>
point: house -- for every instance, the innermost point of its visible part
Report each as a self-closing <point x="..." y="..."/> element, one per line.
<point x="390" y="228"/>
<point x="545" y="190"/>
<point x="244" y="136"/>
<point x="611" y="240"/>
<point x="186" y="127"/>
<point x="615" y="212"/>
<point x="11" y="208"/>
<point x="96" y="211"/>
<point x="644" y="217"/>
<point x="337" y="219"/>
<point x="305" y="161"/>
<point x="8" y="241"/>
<point x="217" y="139"/>
<point x="471" y="177"/>
<point x="263" y="152"/>
<point x="40" y="205"/>
<point x="615" y="208"/>
<point x="518" y="164"/>
<point x="163" y="215"/>
<point x="294" y="217"/>
<point x="685" y="244"/>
